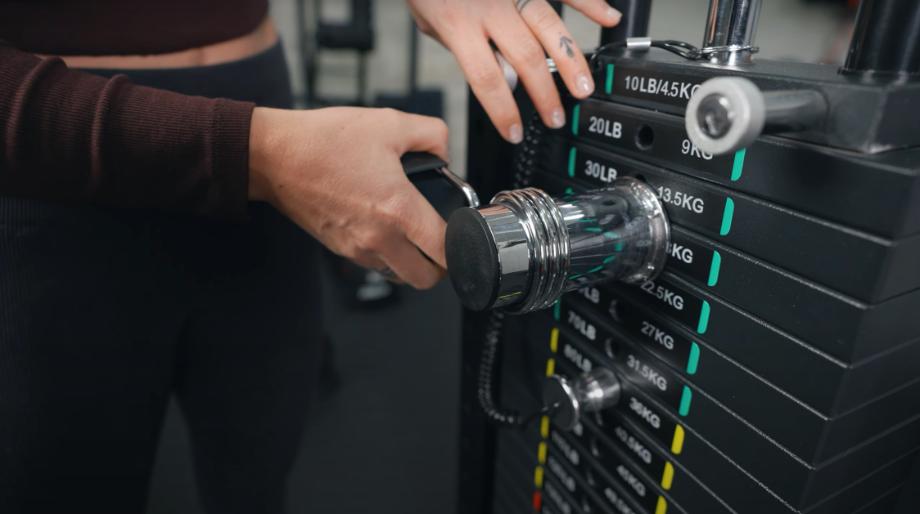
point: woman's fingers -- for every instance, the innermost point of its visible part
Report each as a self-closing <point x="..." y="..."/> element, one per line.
<point x="369" y="261"/>
<point x="424" y="227"/>
<point x="524" y="53"/>
<point x="415" y="133"/>
<point x="598" y="11"/>
<point x="488" y="83"/>
<point x="408" y="263"/>
<point x="556" y="39"/>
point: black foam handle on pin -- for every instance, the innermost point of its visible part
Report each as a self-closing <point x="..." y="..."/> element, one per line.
<point x="422" y="171"/>
<point x="420" y="162"/>
<point x="472" y="259"/>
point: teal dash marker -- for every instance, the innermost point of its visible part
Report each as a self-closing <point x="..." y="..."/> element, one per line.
<point x="738" y="164"/>
<point x="727" y="214"/>
<point x="608" y="85"/>
<point x="609" y="259"/>
<point x="618" y="246"/>
<point x="572" y="153"/>
<point x="557" y="307"/>
<point x="693" y="361"/>
<point x="569" y="191"/>
<point x="685" y="398"/>
<point x="595" y="269"/>
<point x="714" y="269"/>
<point x="596" y="230"/>
<point x="575" y="112"/>
<point x="610" y="235"/>
<point x="703" y="324"/>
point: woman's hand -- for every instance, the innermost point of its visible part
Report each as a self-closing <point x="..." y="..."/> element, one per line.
<point x="337" y="173"/>
<point x="521" y="30"/>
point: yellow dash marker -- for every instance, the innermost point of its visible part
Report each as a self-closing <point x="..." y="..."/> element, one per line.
<point x="667" y="477"/>
<point x="677" y="444"/>
<point x="662" y="506"/>
<point x="538" y="477"/>
<point x="554" y="340"/>
<point x="550" y="367"/>
<point x="541" y="453"/>
<point x="544" y="427"/>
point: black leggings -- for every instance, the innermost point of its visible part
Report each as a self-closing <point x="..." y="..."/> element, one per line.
<point x="104" y="314"/>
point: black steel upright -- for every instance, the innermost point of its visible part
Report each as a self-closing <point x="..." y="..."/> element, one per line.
<point x="636" y="14"/>
<point x="771" y="367"/>
<point x="886" y="41"/>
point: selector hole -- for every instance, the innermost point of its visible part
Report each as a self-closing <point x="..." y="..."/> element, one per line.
<point x="645" y="137"/>
<point x="611" y="348"/>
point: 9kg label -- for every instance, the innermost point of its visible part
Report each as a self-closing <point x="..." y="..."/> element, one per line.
<point x="693" y="260"/>
<point x="615" y="128"/>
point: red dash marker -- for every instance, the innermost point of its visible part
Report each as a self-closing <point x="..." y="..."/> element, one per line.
<point x="537" y="501"/>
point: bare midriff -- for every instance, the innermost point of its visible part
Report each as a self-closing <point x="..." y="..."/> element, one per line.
<point x="259" y="40"/>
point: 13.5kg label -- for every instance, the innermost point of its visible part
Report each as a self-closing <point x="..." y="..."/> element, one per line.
<point x="687" y="203"/>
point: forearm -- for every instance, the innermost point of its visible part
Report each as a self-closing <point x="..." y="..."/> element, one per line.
<point x="76" y="137"/>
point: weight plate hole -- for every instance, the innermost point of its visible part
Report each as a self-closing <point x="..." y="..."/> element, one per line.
<point x="645" y="137"/>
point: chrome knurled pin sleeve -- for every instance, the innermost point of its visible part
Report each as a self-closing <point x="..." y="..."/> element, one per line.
<point x="525" y="249"/>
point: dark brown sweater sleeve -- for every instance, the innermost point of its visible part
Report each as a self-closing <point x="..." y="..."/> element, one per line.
<point x="72" y="136"/>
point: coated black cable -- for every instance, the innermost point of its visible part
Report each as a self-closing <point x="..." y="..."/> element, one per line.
<point x="681" y="48"/>
<point x="493" y="412"/>
<point x="524" y="163"/>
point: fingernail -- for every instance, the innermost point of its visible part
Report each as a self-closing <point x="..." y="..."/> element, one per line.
<point x="516" y="133"/>
<point x="614" y="14"/>
<point x="584" y="84"/>
<point x="558" y="118"/>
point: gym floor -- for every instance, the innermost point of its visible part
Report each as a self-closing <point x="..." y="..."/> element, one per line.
<point x="385" y="441"/>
